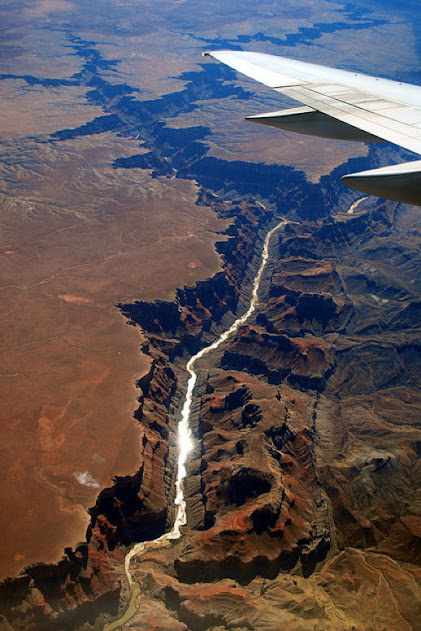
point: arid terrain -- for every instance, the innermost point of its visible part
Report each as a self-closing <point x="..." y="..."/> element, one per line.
<point x="134" y="204"/>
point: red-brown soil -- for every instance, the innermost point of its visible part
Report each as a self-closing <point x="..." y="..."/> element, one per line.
<point x="74" y="243"/>
<point x="303" y="490"/>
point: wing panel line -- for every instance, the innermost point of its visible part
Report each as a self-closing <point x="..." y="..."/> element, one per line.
<point x="398" y="133"/>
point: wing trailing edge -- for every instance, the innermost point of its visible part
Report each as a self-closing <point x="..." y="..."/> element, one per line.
<point x="343" y="105"/>
<point x="308" y="121"/>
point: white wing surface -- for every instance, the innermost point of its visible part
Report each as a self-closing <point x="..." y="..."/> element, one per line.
<point x="345" y="105"/>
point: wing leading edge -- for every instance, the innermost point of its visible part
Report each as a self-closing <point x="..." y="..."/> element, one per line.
<point x="345" y="105"/>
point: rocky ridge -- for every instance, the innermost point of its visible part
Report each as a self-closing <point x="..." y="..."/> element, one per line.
<point x="306" y="461"/>
<point x="90" y="581"/>
<point x="303" y="488"/>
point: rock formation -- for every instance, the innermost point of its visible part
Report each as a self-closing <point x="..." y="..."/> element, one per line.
<point x="303" y="488"/>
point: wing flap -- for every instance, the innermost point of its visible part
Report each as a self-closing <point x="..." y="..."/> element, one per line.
<point x="401" y="182"/>
<point x="306" y="120"/>
<point x="341" y="102"/>
<point x="391" y="127"/>
<point x="380" y="107"/>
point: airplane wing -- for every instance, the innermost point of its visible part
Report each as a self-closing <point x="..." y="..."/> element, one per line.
<point x="344" y="105"/>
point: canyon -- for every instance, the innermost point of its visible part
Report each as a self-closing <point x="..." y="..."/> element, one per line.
<point x="301" y="488"/>
<point x="134" y="222"/>
<point x="301" y="492"/>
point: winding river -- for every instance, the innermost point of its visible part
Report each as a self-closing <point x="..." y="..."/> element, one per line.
<point x="185" y="441"/>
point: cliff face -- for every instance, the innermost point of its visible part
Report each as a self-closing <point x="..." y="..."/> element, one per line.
<point x="262" y="509"/>
<point x="198" y="311"/>
<point x="90" y="582"/>
<point x="303" y="488"/>
<point x="303" y="484"/>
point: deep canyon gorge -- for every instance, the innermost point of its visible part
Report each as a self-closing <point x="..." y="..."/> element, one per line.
<point x="302" y="487"/>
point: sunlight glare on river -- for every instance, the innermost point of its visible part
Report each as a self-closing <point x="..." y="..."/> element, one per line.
<point x="185" y="442"/>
